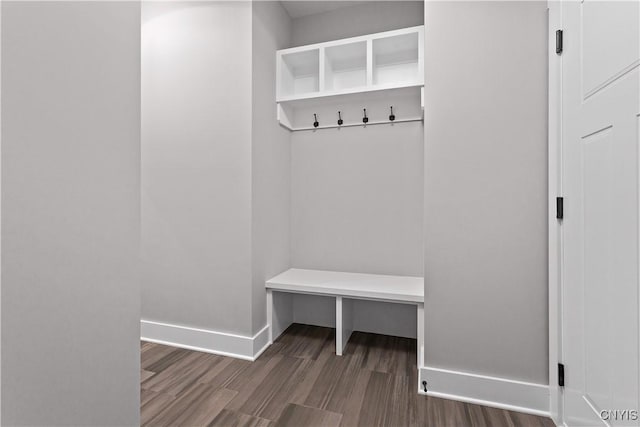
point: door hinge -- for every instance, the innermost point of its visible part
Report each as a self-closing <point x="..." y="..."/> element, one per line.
<point x="559" y="207"/>
<point x="560" y="374"/>
<point x="558" y="42"/>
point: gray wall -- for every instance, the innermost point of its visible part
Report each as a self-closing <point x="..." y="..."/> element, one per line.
<point x="357" y="193"/>
<point x="485" y="188"/>
<point x="196" y="164"/>
<point x="271" y="157"/>
<point x="351" y="21"/>
<point x="216" y="164"/>
<point x="357" y="199"/>
<point x="70" y="220"/>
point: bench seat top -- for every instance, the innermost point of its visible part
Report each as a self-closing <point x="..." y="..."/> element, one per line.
<point x="405" y="289"/>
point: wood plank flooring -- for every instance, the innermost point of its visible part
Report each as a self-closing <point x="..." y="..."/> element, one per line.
<point x="299" y="381"/>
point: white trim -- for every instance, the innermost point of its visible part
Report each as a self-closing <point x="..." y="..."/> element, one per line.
<point x="207" y="341"/>
<point x="485" y="390"/>
<point x="555" y="189"/>
<point x="260" y="342"/>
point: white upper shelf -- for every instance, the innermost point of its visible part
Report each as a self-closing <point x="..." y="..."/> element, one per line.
<point x="381" y="61"/>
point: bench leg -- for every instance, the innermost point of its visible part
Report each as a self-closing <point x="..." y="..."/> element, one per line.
<point x="279" y="313"/>
<point x="344" y="323"/>
<point x="420" y="331"/>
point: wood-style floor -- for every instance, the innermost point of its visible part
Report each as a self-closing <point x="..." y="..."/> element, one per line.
<point x="299" y="381"/>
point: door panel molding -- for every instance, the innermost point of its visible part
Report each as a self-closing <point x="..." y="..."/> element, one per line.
<point x="624" y="72"/>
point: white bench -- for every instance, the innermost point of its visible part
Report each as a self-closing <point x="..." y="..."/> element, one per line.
<point x="344" y="287"/>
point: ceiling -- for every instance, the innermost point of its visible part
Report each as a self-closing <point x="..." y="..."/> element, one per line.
<point x="297" y="9"/>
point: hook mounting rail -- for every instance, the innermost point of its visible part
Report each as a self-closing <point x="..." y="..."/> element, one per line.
<point x="358" y="124"/>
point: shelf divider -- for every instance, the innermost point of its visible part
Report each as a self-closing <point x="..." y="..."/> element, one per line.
<point x="369" y="63"/>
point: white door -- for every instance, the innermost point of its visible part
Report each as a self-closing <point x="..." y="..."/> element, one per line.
<point x="599" y="163"/>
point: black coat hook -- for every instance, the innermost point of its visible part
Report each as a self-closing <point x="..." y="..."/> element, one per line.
<point x="340" y="121"/>
<point x="365" y="119"/>
<point x="392" y="117"/>
<point x="315" y="121"/>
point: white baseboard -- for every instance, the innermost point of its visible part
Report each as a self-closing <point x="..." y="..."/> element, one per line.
<point x="221" y="343"/>
<point x="260" y="342"/>
<point x="485" y="390"/>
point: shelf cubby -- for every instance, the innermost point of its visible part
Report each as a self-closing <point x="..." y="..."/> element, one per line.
<point x="396" y="59"/>
<point x="373" y="71"/>
<point x="345" y="66"/>
<point x="299" y="72"/>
